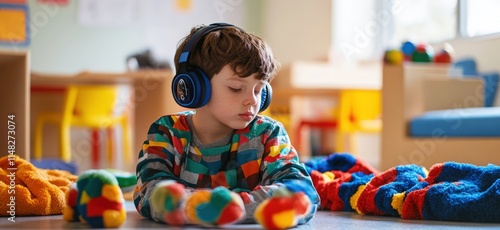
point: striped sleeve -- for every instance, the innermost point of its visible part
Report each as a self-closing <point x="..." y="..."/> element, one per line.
<point x="158" y="160"/>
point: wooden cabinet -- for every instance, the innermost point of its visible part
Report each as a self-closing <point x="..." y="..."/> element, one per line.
<point x="412" y="89"/>
<point x="15" y="94"/>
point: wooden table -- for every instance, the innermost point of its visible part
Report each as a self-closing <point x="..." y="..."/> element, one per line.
<point x="151" y="98"/>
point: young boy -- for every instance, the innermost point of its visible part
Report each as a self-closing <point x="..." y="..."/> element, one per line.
<point x="224" y="73"/>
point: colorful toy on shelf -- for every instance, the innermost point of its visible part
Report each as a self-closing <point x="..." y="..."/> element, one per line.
<point x="419" y="53"/>
<point x="408" y="48"/>
<point x="423" y="53"/>
<point x="445" y="55"/>
<point x="442" y="57"/>
<point x="394" y="57"/>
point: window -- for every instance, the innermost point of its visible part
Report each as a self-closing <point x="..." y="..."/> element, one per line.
<point x="363" y="30"/>
<point x="480" y="17"/>
<point x="426" y="21"/>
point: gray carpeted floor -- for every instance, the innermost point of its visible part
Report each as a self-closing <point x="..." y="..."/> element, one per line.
<point x="322" y="220"/>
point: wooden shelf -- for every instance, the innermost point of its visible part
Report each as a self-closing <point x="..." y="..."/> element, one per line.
<point x="15" y="94"/>
<point x="414" y="88"/>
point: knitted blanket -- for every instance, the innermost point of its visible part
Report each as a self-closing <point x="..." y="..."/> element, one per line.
<point x="27" y="190"/>
<point x="449" y="191"/>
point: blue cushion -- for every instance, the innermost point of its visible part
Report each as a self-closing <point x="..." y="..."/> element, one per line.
<point x="490" y="87"/>
<point x="467" y="65"/>
<point x="469" y="69"/>
<point x="55" y="164"/>
<point x="466" y="122"/>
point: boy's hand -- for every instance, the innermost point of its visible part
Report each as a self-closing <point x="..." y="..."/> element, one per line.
<point x="214" y="207"/>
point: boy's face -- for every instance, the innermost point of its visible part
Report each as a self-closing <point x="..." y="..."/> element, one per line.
<point x="235" y="101"/>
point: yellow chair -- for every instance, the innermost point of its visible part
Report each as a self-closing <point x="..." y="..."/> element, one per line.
<point x="357" y="111"/>
<point x="90" y="106"/>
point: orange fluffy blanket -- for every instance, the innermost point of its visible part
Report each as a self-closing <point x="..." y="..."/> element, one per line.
<point x="27" y="190"/>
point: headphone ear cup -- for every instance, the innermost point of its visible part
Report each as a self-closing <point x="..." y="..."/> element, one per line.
<point x="191" y="89"/>
<point x="205" y="89"/>
<point x="266" y="97"/>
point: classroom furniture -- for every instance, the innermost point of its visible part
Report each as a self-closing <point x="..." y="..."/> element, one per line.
<point x="88" y="106"/>
<point x="150" y="98"/>
<point x="357" y="111"/>
<point x="413" y="89"/>
<point x="299" y="84"/>
<point x="467" y="67"/>
<point x="15" y="94"/>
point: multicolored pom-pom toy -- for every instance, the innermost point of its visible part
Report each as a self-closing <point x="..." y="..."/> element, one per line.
<point x="215" y="207"/>
<point x="97" y="200"/>
<point x="166" y="200"/>
<point x="283" y="210"/>
<point x="71" y="212"/>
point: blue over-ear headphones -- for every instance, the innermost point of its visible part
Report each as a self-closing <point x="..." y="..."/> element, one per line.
<point x="191" y="86"/>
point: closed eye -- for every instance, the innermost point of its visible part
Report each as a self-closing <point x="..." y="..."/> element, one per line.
<point x="234" y="89"/>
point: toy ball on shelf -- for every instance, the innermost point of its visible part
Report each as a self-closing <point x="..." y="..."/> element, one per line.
<point x="408" y="48"/>
<point x="445" y="55"/>
<point x="423" y="53"/>
<point x="393" y="56"/>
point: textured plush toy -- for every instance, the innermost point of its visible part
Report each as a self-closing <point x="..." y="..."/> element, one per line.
<point x="215" y="207"/>
<point x="96" y="199"/>
<point x="283" y="210"/>
<point x="71" y="212"/>
<point x="166" y="199"/>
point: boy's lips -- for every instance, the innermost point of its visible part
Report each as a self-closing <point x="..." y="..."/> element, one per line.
<point x="246" y="116"/>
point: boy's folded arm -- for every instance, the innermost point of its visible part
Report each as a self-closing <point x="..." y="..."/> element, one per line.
<point x="150" y="171"/>
<point x="156" y="163"/>
<point x="293" y="177"/>
<point x="280" y="167"/>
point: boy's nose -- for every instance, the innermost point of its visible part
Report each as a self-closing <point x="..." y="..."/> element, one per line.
<point x="251" y="99"/>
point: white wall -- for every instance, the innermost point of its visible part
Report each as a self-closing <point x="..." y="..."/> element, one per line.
<point x="485" y="50"/>
<point x="297" y="29"/>
<point x="59" y="44"/>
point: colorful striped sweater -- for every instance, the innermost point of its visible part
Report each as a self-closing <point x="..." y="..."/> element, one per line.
<point x="252" y="162"/>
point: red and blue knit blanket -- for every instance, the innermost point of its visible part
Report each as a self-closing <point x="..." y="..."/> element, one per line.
<point x="448" y="191"/>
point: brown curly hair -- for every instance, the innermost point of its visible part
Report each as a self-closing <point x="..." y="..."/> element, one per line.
<point x="246" y="53"/>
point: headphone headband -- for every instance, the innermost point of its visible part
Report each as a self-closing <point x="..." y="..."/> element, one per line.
<point x="193" y="41"/>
